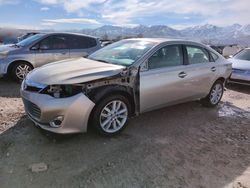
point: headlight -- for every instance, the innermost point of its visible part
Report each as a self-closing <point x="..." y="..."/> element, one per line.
<point x="3" y="55"/>
<point x="62" y="91"/>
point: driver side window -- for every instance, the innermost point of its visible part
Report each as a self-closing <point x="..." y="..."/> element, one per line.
<point x="53" y="43"/>
<point x="168" y="56"/>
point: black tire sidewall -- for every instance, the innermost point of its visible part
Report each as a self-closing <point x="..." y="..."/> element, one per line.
<point x="207" y="101"/>
<point x="95" y="115"/>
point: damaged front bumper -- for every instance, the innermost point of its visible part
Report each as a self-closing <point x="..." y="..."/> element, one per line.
<point x="58" y="115"/>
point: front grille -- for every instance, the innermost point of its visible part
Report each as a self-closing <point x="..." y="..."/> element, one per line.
<point x="32" y="109"/>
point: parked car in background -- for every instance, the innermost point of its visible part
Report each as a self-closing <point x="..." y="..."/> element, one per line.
<point x="121" y="80"/>
<point x="241" y="67"/>
<point x="25" y="36"/>
<point x="10" y="40"/>
<point x="106" y="42"/>
<point x="19" y="59"/>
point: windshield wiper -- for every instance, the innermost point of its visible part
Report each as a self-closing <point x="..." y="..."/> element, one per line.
<point x="16" y="45"/>
<point x="104" y="61"/>
<point x="101" y="60"/>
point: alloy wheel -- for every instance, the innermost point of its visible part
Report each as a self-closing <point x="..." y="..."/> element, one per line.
<point x="113" y="116"/>
<point x="216" y="93"/>
<point x="22" y="70"/>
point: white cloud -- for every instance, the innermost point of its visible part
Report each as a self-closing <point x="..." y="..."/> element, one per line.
<point x="71" y="5"/>
<point x="20" y="26"/>
<point x="2" y="2"/>
<point x="71" y="21"/>
<point x="50" y="2"/>
<point x="219" y="12"/>
<point x="44" y="9"/>
<point x="48" y="24"/>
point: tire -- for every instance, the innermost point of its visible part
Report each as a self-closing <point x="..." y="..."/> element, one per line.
<point x="20" y="70"/>
<point x="215" y="95"/>
<point x="111" y="114"/>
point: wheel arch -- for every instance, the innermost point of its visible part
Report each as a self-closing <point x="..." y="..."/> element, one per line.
<point x="97" y="94"/>
<point x="100" y="93"/>
<point x="13" y="63"/>
<point x="221" y="79"/>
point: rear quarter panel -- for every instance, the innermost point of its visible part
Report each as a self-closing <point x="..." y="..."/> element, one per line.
<point x="224" y="68"/>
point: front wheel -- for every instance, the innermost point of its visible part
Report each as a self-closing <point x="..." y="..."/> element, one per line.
<point x="215" y="95"/>
<point x="20" y="70"/>
<point x="111" y="115"/>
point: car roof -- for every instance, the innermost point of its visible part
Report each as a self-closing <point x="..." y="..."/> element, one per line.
<point x="69" y="33"/>
<point x="162" y="40"/>
<point x="177" y="41"/>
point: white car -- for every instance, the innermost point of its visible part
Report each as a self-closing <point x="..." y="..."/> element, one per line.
<point x="241" y="68"/>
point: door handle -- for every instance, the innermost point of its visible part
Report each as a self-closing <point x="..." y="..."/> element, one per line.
<point x="213" y="69"/>
<point x="182" y="74"/>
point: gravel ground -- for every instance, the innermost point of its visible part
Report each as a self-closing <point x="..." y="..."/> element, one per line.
<point x="180" y="146"/>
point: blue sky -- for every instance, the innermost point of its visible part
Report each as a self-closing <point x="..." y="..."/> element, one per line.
<point x="78" y="14"/>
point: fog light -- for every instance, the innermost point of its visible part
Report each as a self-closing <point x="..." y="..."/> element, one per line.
<point x="56" y="123"/>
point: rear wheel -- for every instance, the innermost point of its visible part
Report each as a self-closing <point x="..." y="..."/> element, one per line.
<point x="111" y="115"/>
<point x="215" y="94"/>
<point x="20" y="70"/>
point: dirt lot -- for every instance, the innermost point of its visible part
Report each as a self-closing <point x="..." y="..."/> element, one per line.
<point x="181" y="146"/>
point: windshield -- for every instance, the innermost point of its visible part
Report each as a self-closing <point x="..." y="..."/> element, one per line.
<point x="243" y="55"/>
<point x="29" y="40"/>
<point x="124" y="52"/>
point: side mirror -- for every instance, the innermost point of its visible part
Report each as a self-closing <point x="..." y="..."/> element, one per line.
<point x="144" y="66"/>
<point x="34" y="48"/>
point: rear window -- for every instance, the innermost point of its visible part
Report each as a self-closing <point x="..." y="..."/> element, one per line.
<point x="197" y="55"/>
<point x="81" y="42"/>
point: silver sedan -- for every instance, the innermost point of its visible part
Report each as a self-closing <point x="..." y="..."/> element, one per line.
<point x="122" y="80"/>
<point x="19" y="59"/>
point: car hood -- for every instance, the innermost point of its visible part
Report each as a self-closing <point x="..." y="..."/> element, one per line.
<point x="240" y="64"/>
<point x="7" y="48"/>
<point x="72" y="71"/>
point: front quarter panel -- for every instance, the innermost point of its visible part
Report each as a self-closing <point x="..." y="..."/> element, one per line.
<point x="19" y="55"/>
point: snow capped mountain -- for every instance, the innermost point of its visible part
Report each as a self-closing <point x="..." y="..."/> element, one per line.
<point x="211" y="34"/>
<point x="233" y="34"/>
<point x="245" y="29"/>
<point x="161" y="31"/>
<point x="207" y="31"/>
<point x="146" y="31"/>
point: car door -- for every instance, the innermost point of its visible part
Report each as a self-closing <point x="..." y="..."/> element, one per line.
<point x="51" y="49"/>
<point x="82" y="46"/>
<point x="164" y="81"/>
<point x="201" y="71"/>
